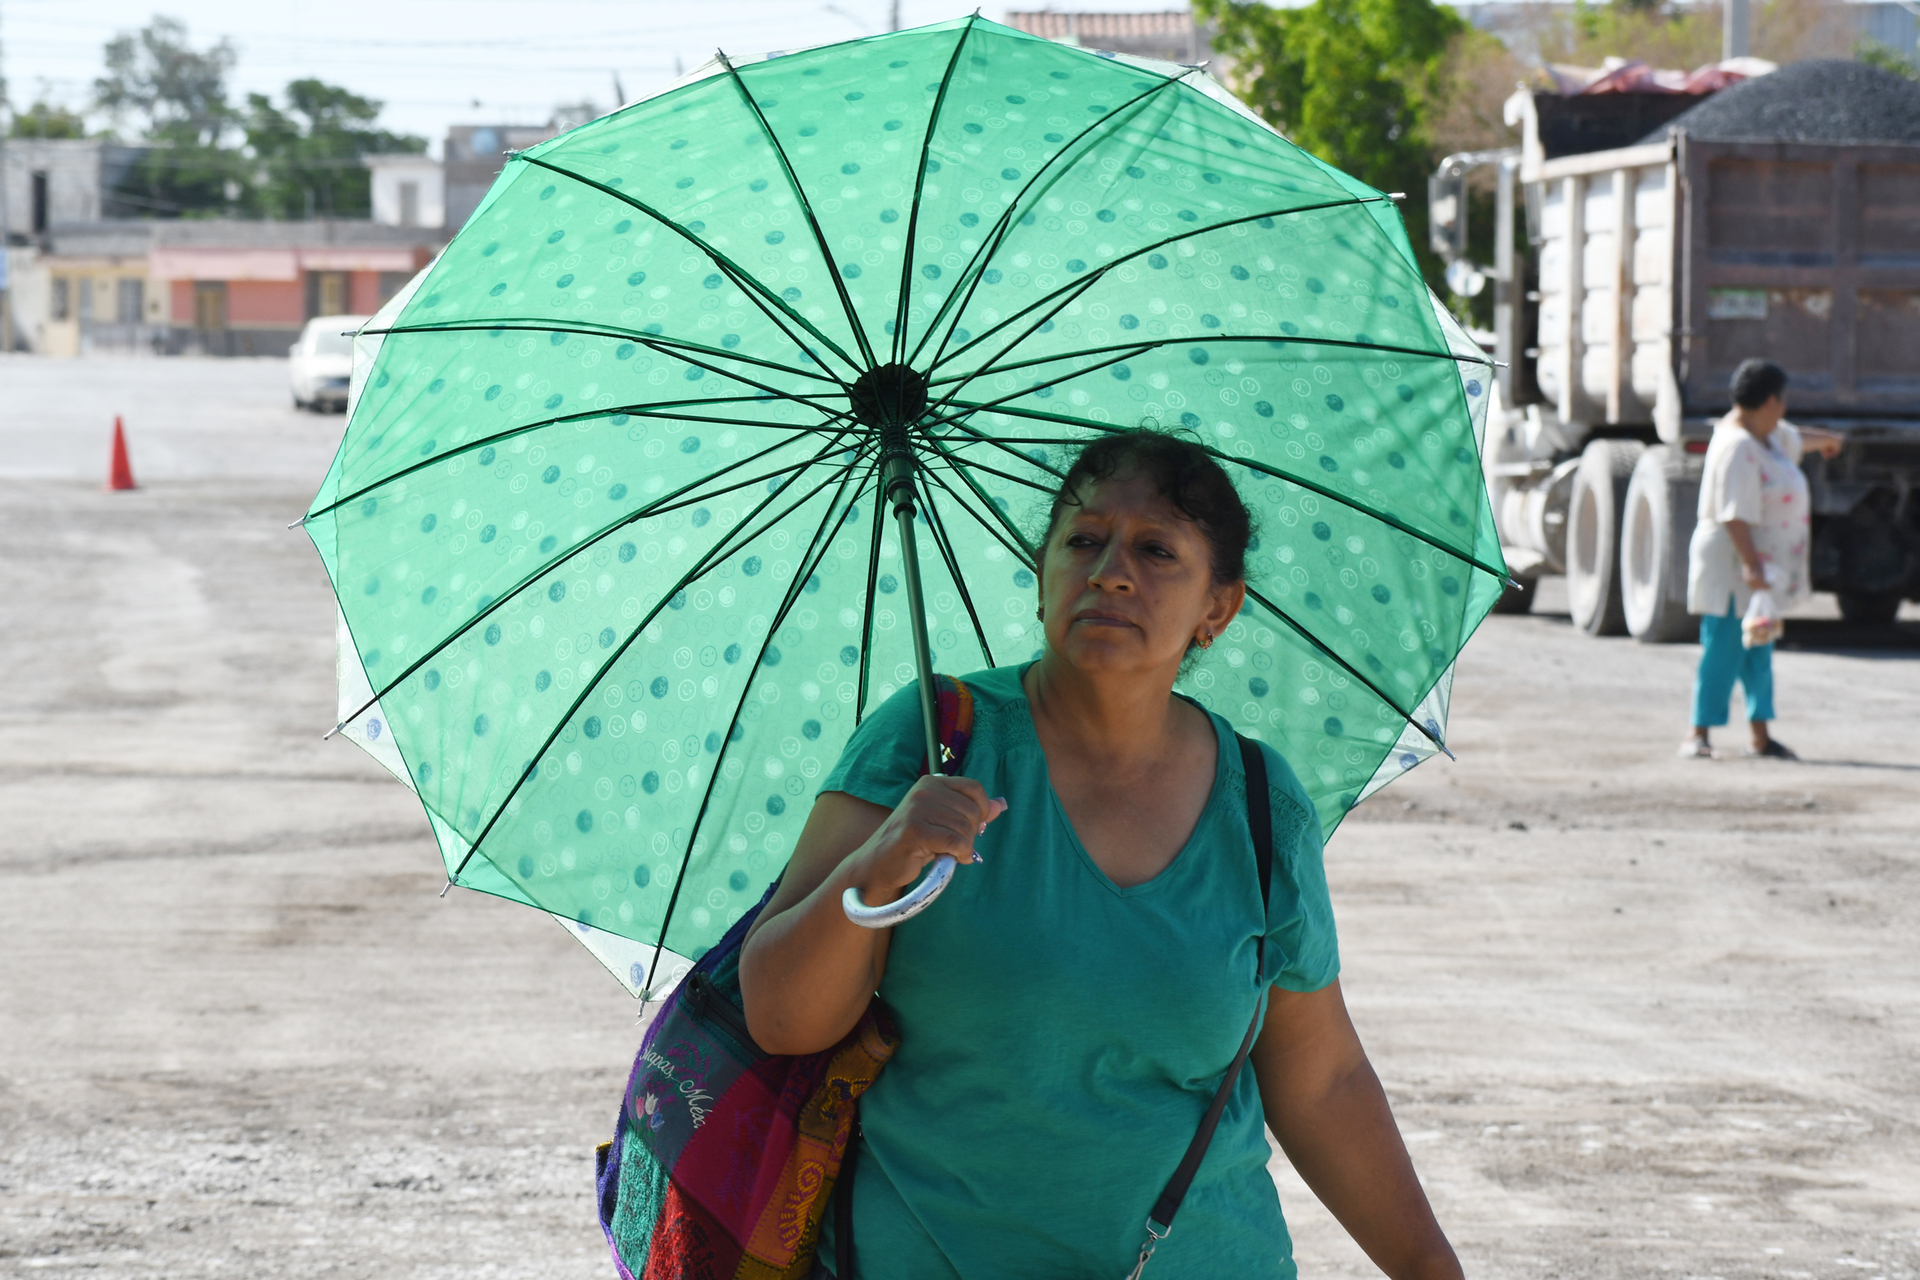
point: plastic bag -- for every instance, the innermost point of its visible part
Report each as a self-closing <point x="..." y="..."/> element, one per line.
<point x="1762" y="623"/>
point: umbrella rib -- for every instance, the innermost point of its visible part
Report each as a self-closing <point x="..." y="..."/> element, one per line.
<point x="919" y="182"/>
<point x="716" y="552"/>
<point x="822" y="539"/>
<point x="935" y="415"/>
<point x="611" y="411"/>
<point x="753" y="288"/>
<point x="1144" y="346"/>
<point x="981" y="437"/>
<point x="866" y="620"/>
<point x="806" y="207"/>
<point x="1345" y="666"/>
<point x="974" y="465"/>
<point x="1019" y="552"/>
<point x="1098" y="272"/>
<point x="1024" y="551"/>
<point x="652" y="508"/>
<point x="639" y="337"/>
<point x="945" y="547"/>
<point x="1262" y="468"/>
<point x="1004" y="226"/>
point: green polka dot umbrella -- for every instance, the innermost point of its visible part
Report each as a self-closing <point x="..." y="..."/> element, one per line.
<point x="727" y="415"/>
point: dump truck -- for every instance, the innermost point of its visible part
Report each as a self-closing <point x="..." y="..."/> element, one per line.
<point x="1653" y="261"/>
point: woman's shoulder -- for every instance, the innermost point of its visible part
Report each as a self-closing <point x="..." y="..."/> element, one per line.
<point x="1292" y="808"/>
<point x="996" y="685"/>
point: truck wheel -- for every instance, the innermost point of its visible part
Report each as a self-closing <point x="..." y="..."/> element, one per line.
<point x="1517" y="599"/>
<point x="1658" y="525"/>
<point x="1593" y="535"/>
<point x="1869" y="610"/>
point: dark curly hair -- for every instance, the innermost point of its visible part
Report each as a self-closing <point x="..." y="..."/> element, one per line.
<point x="1185" y="475"/>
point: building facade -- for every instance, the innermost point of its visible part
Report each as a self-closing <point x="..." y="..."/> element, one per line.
<point x="204" y="286"/>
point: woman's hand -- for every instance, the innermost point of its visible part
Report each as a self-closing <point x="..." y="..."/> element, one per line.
<point x="806" y="971"/>
<point x="1754" y="575"/>
<point x="1821" y="441"/>
<point x="939" y="816"/>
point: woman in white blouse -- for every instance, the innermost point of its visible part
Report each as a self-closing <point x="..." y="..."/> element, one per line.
<point x="1754" y="525"/>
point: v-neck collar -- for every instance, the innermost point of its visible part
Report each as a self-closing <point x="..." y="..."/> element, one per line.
<point x="1220" y="769"/>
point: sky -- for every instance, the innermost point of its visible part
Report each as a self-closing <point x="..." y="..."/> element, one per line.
<point x="441" y="62"/>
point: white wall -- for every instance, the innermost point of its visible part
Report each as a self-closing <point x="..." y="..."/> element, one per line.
<point x="72" y="167"/>
<point x="390" y="173"/>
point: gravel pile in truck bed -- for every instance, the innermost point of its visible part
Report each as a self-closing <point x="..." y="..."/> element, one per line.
<point x="1820" y="100"/>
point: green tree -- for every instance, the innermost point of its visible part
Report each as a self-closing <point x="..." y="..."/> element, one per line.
<point x="308" y="156"/>
<point x="1352" y="81"/>
<point x="44" y="121"/>
<point x="1887" y="58"/>
<point x="177" y="96"/>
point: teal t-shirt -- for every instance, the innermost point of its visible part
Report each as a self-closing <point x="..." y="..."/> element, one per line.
<point x="1061" y="1037"/>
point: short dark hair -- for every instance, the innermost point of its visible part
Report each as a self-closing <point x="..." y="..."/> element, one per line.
<point x="1185" y="474"/>
<point x="1757" y="381"/>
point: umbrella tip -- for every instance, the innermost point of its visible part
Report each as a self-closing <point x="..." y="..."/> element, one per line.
<point x="1447" y="752"/>
<point x="297" y="523"/>
<point x="1396" y="195"/>
<point x="329" y="733"/>
<point x="449" y="885"/>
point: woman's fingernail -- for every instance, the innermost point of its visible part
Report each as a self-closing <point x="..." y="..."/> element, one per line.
<point x="978" y="859"/>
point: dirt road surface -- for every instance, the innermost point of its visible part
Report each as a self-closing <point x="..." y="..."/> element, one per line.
<point x="1638" y="1016"/>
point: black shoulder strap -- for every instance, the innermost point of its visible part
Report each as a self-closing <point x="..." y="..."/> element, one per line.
<point x="843" y="1204"/>
<point x="1260" y="824"/>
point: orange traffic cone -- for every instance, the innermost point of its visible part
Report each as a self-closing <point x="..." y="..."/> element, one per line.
<point x="120" y="475"/>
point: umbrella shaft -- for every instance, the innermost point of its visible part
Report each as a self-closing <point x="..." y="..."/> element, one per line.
<point x="897" y="479"/>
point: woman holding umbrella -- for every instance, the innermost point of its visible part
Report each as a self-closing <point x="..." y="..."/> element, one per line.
<point x="712" y="429"/>
<point x="1067" y="1009"/>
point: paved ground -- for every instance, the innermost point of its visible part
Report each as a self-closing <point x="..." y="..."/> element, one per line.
<point x="1638" y="1016"/>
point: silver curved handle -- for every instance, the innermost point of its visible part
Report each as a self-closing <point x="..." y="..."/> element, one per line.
<point x="918" y="899"/>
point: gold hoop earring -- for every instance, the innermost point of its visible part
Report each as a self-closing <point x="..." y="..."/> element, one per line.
<point x="1206" y="639"/>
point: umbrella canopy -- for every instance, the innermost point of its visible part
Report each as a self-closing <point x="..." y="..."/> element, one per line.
<point x="609" y="527"/>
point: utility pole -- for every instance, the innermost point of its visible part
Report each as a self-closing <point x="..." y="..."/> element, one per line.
<point x="1736" y="34"/>
<point x="6" y="230"/>
<point x="893" y="20"/>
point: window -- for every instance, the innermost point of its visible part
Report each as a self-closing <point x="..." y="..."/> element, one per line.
<point x="60" y="303"/>
<point x="86" y="298"/>
<point x="39" y="202"/>
<point x="132" y="300"/>
<point x="409" y="204"/>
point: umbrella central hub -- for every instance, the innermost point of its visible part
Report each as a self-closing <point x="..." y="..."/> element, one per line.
<point x="891" y="396"/>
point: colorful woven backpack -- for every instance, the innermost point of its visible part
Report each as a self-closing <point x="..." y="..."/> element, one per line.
<point x="724" y="1158"/>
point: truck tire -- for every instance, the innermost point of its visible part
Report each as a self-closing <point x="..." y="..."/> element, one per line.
<point x="1656" y="528"/>
<point x="1593" y="535"/>
<point x="1517" y="599"/>
<point x="1864" y="610"/>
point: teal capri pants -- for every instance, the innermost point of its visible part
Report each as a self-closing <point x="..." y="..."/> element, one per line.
<point x="1723" y="659"/>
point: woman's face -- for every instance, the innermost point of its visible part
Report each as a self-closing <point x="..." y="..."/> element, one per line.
<point x="1126" y="581"/>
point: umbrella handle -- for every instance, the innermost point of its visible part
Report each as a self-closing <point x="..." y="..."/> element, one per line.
<point x="905" y="908"/>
